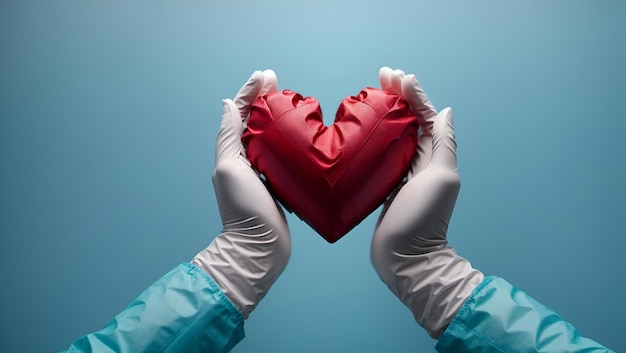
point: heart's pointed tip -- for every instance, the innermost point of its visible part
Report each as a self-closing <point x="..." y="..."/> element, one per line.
<point x="334" y="236"/>
<point x="331" y="240"/>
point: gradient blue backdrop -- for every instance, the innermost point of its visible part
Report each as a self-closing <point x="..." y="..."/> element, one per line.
<point x="109" y="111"/>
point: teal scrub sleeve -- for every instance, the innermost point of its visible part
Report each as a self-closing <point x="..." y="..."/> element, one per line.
<point x="184" y="311"/>
<point x="498" y="317"/>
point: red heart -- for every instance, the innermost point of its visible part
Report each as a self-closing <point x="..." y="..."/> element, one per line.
<point x="332" y="177"/>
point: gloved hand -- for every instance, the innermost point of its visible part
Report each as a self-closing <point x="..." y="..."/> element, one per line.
<point x="254" y="246"/>
<point x="409" y="249"/>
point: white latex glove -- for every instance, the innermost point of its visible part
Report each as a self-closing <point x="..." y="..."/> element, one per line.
<point x="409" y="249"/>
<point x="254" y="246"/>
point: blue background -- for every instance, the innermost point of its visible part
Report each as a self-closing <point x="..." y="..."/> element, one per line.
<point x="109" y="111"/>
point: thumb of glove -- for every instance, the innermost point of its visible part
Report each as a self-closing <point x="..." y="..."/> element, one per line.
<point x="444" y="142"/>
<point x="229" y="136"/>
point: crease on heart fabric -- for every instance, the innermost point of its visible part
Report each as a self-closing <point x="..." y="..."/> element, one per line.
<point x="333" y="176"/>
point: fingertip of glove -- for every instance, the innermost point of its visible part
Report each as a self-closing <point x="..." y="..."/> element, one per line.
<point x="444" y="118"/>
<point x="270" y="82"/>
<point x="409" y="84"/>
<point x="384" y="76"/>
<point x="448" y="114"/>
<point x="447" y="111"/>
<point x="399" y="73"/>
<point x="385" y="70"/>
<point x="269" y="74"/>
<point x="255" y="79"/>
<point x="227" y="105"/>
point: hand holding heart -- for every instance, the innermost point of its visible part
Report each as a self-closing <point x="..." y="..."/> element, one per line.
<point x="331" y="176"/>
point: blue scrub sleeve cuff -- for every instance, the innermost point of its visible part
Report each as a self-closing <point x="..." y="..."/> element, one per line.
<point x="498" y="317"/>
<point x="183" y="311"/>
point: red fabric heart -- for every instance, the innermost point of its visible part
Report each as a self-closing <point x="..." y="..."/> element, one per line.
<point x="334" y="176"/>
